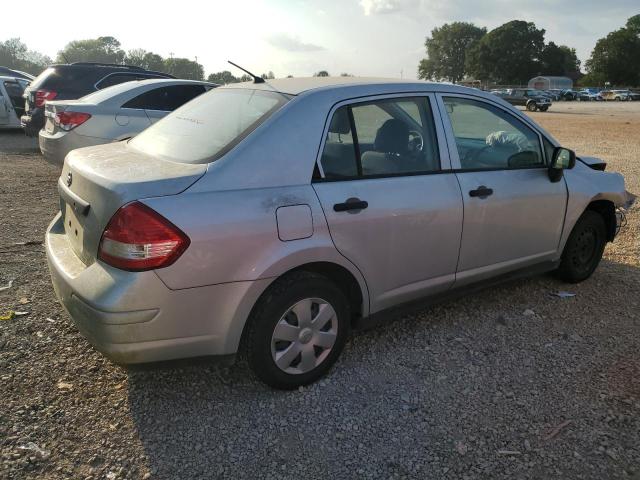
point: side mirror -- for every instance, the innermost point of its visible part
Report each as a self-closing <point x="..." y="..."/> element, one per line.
<point x="562" y="158"/>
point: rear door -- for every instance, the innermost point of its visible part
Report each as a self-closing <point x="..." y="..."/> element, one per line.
<point x="393" y="206"/>
<point x="4" y="107"/>
<point x="158" y="102"/>
<point x="513" y="213"/>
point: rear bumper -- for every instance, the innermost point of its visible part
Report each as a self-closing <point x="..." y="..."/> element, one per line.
<point x="55" y="147"/>
<point x="32" y="122"/>
<point x="133" y="317"/>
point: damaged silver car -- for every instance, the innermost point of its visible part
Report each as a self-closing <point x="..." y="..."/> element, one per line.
<point x="279" y="215"/>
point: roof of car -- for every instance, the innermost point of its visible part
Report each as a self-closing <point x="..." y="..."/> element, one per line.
<point x="9" y="77"/>
<point x="296" y="86"/>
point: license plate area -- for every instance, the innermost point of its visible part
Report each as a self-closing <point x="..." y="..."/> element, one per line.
<point x="73" y="229"/>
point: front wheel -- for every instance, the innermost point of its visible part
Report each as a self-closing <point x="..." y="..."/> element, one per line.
<point x="531" y="106"/>
<point x="584" y="248"/>
<point x="544" y="109"/>
<point x="297" y="330"/>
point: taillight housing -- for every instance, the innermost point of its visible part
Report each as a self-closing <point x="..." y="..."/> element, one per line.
<point x="43" y="95"/>
<point x="138" y="238"/>
<point x="69" y="120"/>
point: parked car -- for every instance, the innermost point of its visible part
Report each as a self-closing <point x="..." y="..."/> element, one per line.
<point x="112" y="114"/>
<point x="589" y="96"/>
<point x="529" y="98"/>
<point x="569" y="95"/>
<point x="11" y="104"/>
<point x="10" y="72"/>
<point x="634" y="96"/>
<point x="616" y="95"/>
<point x="280" y="214"/>
<point x="72" y="81"/>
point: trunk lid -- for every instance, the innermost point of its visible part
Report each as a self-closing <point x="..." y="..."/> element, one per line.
<point x="96" y="181"/>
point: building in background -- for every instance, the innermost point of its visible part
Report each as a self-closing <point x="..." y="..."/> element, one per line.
<point x="547" y="83"/>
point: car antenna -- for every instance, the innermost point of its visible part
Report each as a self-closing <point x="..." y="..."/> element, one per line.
<point x="256" y="79"/>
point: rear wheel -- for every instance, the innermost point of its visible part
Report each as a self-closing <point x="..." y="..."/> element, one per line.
<point x="584" y="248"/>
<point x="297" y="330"/>
<point x="544" y="109"/>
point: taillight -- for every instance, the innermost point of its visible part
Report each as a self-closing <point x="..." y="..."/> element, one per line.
<point x="70" y="120"/>
<point x="138" y="238"/>
<point x="43" y="95"/>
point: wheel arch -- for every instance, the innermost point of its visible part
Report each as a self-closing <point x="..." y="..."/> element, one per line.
<point x="607" y="209"/>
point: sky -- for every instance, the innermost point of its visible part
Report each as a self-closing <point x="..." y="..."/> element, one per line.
<point x="299" y="37"/>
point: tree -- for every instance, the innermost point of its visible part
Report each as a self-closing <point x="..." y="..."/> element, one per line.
<point x="223" y="78"/>
<point x="268" y="76"/>
<point x="559" y="60"/>
<point x="101" y="49"/>
<point x="447" y="49"/>
<point x="15" y="54"/>
<point x="509" y="54"/>
<point x="616" y="57"/>
<point x="147" y="60"/>
<point x="321" y="73"/>
<point x="184" y="68"/>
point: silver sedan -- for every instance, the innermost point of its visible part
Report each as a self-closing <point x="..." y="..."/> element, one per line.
<point x="112" y="114"/>
<point x="279" y="215"/>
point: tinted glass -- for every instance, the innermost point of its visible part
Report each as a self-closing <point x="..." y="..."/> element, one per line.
<point x="339" y="154"/>
<point x="490" y="138"/>
<point x="15" y="90"/>
<point x="165" y="98"/>
<point x="117" y="78"/>
<point x="396" y="136"/>
<point x="205" y="129"/>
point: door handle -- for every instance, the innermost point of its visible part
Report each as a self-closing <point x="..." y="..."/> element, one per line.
<point x="481" y="192"/>
<point x="350" y="204"/>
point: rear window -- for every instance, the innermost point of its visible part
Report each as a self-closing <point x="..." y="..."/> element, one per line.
<point x="208" y="127"/>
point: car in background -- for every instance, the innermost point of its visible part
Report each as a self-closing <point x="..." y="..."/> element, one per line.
<point x="634" y="96"/>
<point x="11" y="102"/>
<point x="616" y="95"/>
<point x="72" y="81"/>
<point x="277" y="215"/>
<point x="10" y="72"/>
<point x="531" y="99"/>
<point x="112" y="114"/>
<point x="589" y="95"/>
<point x="569" y="95"/>
<point x="554" y="95"/>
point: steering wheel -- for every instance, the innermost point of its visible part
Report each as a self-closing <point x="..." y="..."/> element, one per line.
<point x="416" y="141"/>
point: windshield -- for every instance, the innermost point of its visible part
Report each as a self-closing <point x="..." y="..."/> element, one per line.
<point x="209" y="126"/>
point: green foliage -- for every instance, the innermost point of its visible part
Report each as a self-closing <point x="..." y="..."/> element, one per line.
<point x="101" y="49"/>
<point x="616" y="57"/>
<point x="224" y="77"/>
<point x="147" y="60"/>
<point x="509" y="54"/>
<point x="184" y="68"/>
<point x="321" y="73"/>
<point x="559" y="60"/>
<point x="15" y="54"/>
<point x="446" y="51"/>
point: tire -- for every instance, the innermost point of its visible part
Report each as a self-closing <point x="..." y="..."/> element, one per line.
<point x="295" y="346"/>
<point x="584" y="248"/>
<point x="618" y="99"/>
<point x="531" y="106"/>
<point x="544" y="109"/>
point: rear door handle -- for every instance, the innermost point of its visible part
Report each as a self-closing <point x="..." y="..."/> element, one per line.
<point x="350" y="204"/>
<point x="481" y="192"/>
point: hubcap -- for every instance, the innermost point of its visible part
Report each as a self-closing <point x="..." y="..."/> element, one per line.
<point x="586" y="247"/>
<point x="304" y="336"/>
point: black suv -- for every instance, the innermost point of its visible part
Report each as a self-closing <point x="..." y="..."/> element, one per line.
<point x="531" y="99"/>
<point x="71" y="81"/>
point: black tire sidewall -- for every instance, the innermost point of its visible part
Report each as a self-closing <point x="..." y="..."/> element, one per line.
<point x="272" y="306"/>
<point x="568" y="270"/>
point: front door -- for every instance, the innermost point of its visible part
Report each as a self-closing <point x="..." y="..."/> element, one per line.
<point x="4" y="108"/>
<point x="513" y="213"/>
<point x="391" y="209"/>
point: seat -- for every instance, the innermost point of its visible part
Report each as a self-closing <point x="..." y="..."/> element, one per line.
<point x="390" y="149"/>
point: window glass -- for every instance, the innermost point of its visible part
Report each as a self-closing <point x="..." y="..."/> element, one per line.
<point x="489" y="138"/>
<point x="117" y="78"/>
<point x="205" y="129"/>
<point x="394" y="138"/>
<point x="15" y="91"/>
<point x="165" y="99"/>
<point x="339" y="154"/>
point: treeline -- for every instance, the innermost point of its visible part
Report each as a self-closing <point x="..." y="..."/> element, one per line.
<point x="516" y="51"/>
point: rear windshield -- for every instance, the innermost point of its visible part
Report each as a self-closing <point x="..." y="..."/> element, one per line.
<point x="209" y="126"/>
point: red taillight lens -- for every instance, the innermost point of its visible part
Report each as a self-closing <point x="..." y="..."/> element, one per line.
<point x="70" y="120"/>
<point x="43" y="95"/>
<point x="138" y="238"/>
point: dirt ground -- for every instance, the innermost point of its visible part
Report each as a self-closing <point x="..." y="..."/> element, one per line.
<point x="508" y="383"/>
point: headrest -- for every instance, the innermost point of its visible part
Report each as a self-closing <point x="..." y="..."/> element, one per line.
<point x="392" y="137"/>
<point x="340" y="122"/>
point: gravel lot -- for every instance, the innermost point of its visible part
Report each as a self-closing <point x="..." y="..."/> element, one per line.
<point x="509" y="383"/>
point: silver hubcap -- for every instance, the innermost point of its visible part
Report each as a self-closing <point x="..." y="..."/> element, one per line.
<point x="304" y="336"/>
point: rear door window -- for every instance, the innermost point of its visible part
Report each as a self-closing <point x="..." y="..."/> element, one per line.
<point x="165" y="99"/>
<point x="117" y="78"/>
<point x="15" y="91"/>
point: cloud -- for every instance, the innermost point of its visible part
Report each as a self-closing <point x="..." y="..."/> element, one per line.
<point x="290" y="43"/>
<point x="374" y="7"/>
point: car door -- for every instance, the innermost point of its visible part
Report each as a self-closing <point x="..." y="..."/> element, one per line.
<point x="393" y="206"/>
<point x="513" y="212"/>
<point x="5" y="112"/>
<point x="158" y="102"/>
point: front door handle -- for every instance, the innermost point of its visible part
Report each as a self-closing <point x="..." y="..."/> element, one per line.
<point x="350" y="204"/>
<point x="481" y="192"/>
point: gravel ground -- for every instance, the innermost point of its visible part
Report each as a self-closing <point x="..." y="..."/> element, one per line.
<point x="509" y="383"/>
